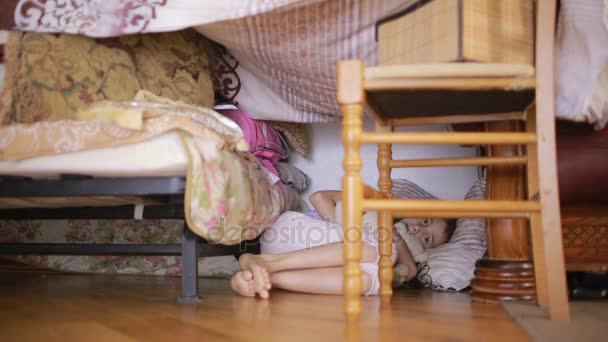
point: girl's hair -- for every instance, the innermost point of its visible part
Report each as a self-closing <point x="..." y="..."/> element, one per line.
<point x="450" y="228"/>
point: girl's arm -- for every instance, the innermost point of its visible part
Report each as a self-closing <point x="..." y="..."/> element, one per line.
<point x="404" y="256"/>
<point x="324" y="203"/>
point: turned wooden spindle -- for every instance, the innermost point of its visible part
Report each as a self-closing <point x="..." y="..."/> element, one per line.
<point x="350" y="98"/>
<point x="507" y="273"/>
<point x="385" y="219"/>
<point x="352" y="194"/>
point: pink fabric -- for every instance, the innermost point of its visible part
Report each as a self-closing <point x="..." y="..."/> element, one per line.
<point x="264" y="142"/>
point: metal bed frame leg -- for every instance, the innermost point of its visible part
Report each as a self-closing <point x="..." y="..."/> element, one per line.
<point x="190" y="251"/>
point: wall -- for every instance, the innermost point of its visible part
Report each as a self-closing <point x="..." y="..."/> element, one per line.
<point x="325" y="166"/>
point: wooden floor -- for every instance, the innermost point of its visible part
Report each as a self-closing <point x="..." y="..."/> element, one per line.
<point x="38" y="307"/>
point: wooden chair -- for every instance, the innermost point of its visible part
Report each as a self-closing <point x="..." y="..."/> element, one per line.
<point x="470" y="90"/>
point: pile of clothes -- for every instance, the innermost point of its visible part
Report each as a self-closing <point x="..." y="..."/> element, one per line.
<point x="270" y="146"/>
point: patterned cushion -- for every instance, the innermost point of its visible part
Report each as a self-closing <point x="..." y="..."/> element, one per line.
<point x="451" y="265"/>
<point x="295" y="136"/>
<point x="51" y="77"/>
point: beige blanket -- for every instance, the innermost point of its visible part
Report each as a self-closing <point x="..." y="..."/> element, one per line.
<point x="228" y="197"/>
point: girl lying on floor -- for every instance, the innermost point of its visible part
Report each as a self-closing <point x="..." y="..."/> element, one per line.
<point x="308" y="257"/>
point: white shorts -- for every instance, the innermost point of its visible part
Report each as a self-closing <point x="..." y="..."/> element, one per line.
<point x="295" y="231"/>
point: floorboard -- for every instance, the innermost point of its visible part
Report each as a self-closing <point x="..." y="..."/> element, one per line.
<point x="56" y="307"/>
<point x="589" y="321"/>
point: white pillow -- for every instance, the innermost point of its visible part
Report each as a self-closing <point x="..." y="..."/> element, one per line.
<point x="581" y="62"/>
<point x="451" y="265"/>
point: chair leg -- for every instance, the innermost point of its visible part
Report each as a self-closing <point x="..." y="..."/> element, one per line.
<point x="385" y="250"/>
<point x="557" y="292"/>
<point x="538" y="258"/>
<point x="352" y="195"/>
<point x="536" y="232"/>
<point x="385" y="219"/>
<point x="190" y="251"/>
<point x="550" y="228"/>
<point x="350" y="97"/>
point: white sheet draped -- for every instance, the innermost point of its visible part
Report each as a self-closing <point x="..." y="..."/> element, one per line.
<point x="288" y="56"/>
<point x="582" y="62"/>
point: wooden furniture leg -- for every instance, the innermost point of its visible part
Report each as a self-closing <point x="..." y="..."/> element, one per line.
<point x="350" y="98"/>
<point x="385" y="218"/>
<point x="507" y="272"/>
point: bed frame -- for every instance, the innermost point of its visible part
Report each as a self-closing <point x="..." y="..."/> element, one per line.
<point x="167" y="190"/>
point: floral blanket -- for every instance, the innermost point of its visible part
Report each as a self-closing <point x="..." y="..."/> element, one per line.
<point x="110" y="231"/>
<point x="228" y="196"/>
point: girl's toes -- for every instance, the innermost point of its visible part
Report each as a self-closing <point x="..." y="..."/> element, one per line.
<point x="267" y="283"/>
<point x="247" y="275"/>
<point x="264" y="294"/>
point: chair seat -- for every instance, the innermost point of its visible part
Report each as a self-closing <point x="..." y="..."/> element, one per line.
<point x="423" y="90"/>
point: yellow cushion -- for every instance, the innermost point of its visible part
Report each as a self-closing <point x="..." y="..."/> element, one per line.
<point x="51" y="77"/>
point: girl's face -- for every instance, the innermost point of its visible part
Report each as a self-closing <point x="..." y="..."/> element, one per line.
<point x="430" y="232"/>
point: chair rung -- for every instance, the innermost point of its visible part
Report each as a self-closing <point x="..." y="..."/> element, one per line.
<point x="369" y="192"/>
<point x="457" y="214"/>
<point x="438" y="206"/>
<point x="458" y="161"/>
<point x="442" y="138"/>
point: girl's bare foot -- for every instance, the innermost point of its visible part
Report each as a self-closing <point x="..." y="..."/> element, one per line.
<point x="260" y="271"/>
<point x="242" y="283"/>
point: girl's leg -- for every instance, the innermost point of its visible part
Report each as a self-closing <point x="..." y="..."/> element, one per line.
<point x="316" y="281"/>
<point x="329" y="255"/>
<point x="324" y="256"/>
